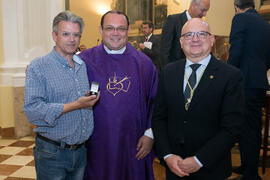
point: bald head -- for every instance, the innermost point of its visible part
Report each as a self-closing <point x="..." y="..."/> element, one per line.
<point x="196" y="39"/>
<point x="198" y="8"/>
<point x="196" y="23"/>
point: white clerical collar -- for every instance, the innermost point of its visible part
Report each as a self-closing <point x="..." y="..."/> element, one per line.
<point x="188" y="15"/>
<point x="203" y="62"/>
<point x="120" y="51"/>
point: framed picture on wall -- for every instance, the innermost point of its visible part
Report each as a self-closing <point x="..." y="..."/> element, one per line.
<point x="142" y="10"/>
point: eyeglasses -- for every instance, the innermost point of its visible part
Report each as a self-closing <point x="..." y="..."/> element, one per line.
<point x="200" y="35"/>
<point x="68" y="34"/>
<point x="120" y="29"/>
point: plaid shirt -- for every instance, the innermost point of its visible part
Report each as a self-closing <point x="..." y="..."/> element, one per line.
<point x="50" y="83"/>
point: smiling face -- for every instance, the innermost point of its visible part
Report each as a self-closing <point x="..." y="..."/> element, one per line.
<point x="197" y="48"/>
<point x="114" y="31"/>
<point x="146" y="30"/>
<point x="67" y="39"/>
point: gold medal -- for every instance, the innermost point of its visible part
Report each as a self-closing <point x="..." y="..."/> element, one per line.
<point x="187" y="103"/>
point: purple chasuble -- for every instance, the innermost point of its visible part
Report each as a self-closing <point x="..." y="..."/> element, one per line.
<point x="128" y="84"/>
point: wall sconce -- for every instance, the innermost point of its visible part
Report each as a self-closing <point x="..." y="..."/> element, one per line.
<point x="102" y="8"/>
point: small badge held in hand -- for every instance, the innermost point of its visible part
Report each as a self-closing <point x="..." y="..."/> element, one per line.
<point x="94" y="88"/>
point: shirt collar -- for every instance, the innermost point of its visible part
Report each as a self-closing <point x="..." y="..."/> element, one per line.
<point x="203" y="62"/>
<point x="149" y="36"/>
<point x="59" y="58"/>
<point x="188" y="15"/>
<point x="77" y="59"/>
<point x="120" y="51"/>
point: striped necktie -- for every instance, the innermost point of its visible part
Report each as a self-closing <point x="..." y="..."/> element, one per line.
<point x="191" y="80"/>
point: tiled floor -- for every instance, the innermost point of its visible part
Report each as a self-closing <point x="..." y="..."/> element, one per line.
<point x="16" y="159"/>
<point x="17" y="162"/>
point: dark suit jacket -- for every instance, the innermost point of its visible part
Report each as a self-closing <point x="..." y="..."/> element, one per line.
<point x="154" y="53"/>
<point x="171" y="32"/>
<point x="250" y="48"/>
<point x="210" y="127"/>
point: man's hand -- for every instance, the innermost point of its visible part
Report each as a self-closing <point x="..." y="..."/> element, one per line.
<point x="189" y="165"/>
<point x="144" y="147"/>
<point x="173" y="162"/>
<point x="88" y="101"/>
<point x="82" y="102"/>
<point x="141" y="46"/>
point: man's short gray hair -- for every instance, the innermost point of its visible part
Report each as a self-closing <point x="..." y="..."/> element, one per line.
<point x="69" y="17"/>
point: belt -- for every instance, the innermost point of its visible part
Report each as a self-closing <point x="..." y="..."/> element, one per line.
<point x="67" y="146"/>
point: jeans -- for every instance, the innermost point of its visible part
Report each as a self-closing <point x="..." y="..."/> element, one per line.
<point x="54" y="162"/>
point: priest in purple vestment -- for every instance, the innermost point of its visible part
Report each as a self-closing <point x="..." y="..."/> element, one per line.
<point x="121" y="145"/>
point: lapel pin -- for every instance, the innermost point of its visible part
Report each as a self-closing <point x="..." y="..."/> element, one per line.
<point x="211" y="77"/>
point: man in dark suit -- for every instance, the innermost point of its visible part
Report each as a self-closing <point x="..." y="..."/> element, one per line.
<point x="195" y="124"/>
<point x="171" y="32"/>
<point x="151" y="45"/>
<point x="249" y="51"/>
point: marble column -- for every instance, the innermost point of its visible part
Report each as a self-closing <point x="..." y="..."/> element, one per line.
<point x="26" y="34"/>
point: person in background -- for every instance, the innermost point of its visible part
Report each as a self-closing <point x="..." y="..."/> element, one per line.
<point x="198" y="110"/>
<point x="121" y="145"/>
<point x="151" y="45"/>
<point x="249" y="51"/>
<point x="171" y="32"/>
<point x="57" y="103"/>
